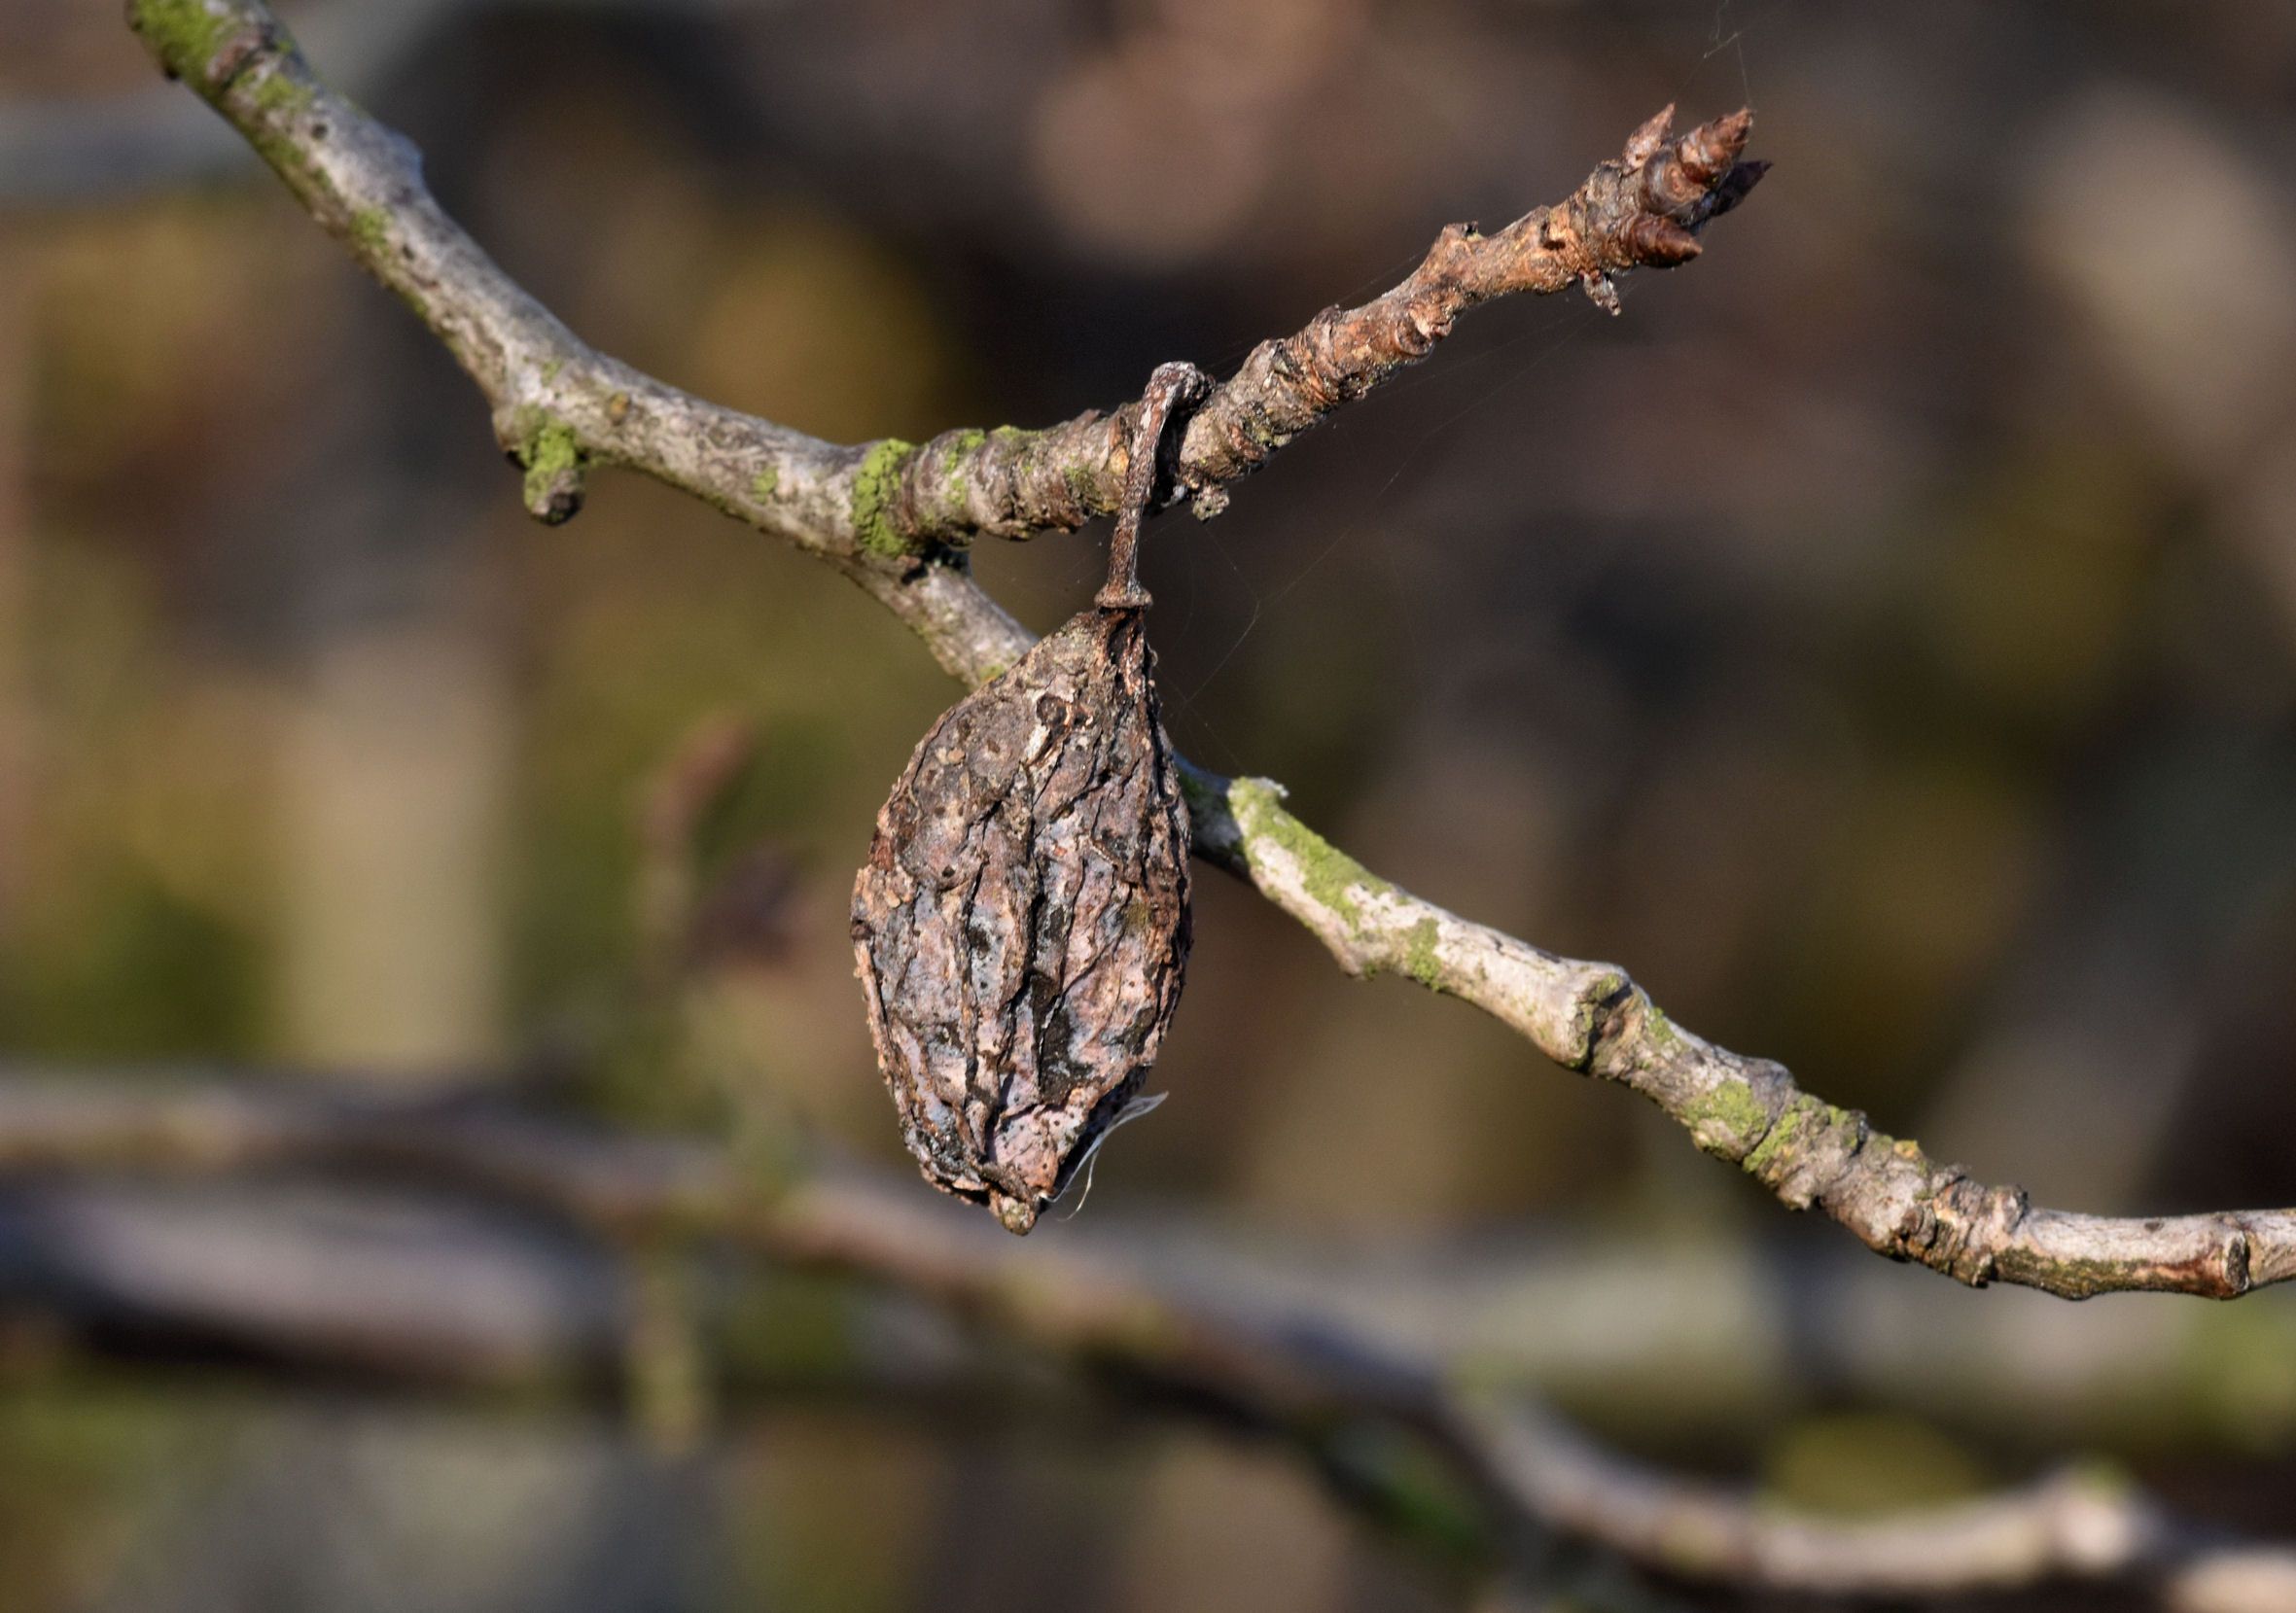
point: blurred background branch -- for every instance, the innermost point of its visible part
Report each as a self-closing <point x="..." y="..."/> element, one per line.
<point x="83" y="153"/>
<point x="1290" y="1369"/>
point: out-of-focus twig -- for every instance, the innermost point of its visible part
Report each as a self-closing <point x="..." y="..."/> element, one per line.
<point x="1708" y="1340"/>
<point x="100" y="150"/>
<point x="2076" y="1525"/>
<point x="16" y="383"/>
<point x="1290" y="1370"/>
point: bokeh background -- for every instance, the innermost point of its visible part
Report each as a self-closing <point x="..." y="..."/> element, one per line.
<point x="1882" y="639"/>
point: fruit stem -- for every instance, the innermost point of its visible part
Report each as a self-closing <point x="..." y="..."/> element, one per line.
<point x="1165" y="389"/>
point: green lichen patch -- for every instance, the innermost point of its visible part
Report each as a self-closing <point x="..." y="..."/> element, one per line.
<point x="1796" y="1131"/>
<point x="937" y="482"/>
<point x="193" y="39"/>
<point x="764" y="483"/>
<point x="956" y="446"/>
<point x="1728" y="1121"/>
<point x="1333" y="880"/>
<point x="1421" y="960"/>
<point x="1659" y="1032"/>
<point x="553" y="459"/>
<point x="875" y="485"/>
<point x="1081" y="486"/>
<point x="184" y="34"/>
<point x="276" y="93"/>
<point x="370" y="230"/>
<point x="1781" y="1146"/>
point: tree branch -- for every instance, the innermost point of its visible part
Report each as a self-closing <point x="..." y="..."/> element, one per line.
<point x="1644" y="209"/>
<point x="560" y="407"/>
<point x="1299" y="1373"/>
<point x="1593" y="1018"/>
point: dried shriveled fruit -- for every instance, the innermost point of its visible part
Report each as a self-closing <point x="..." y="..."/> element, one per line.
<point x="1022" y="921"/>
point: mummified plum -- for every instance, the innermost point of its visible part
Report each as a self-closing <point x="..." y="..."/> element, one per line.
<point x="1022" y="921"/>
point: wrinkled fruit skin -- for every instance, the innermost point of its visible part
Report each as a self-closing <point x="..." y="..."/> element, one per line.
<point x="1022" y="922"/>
